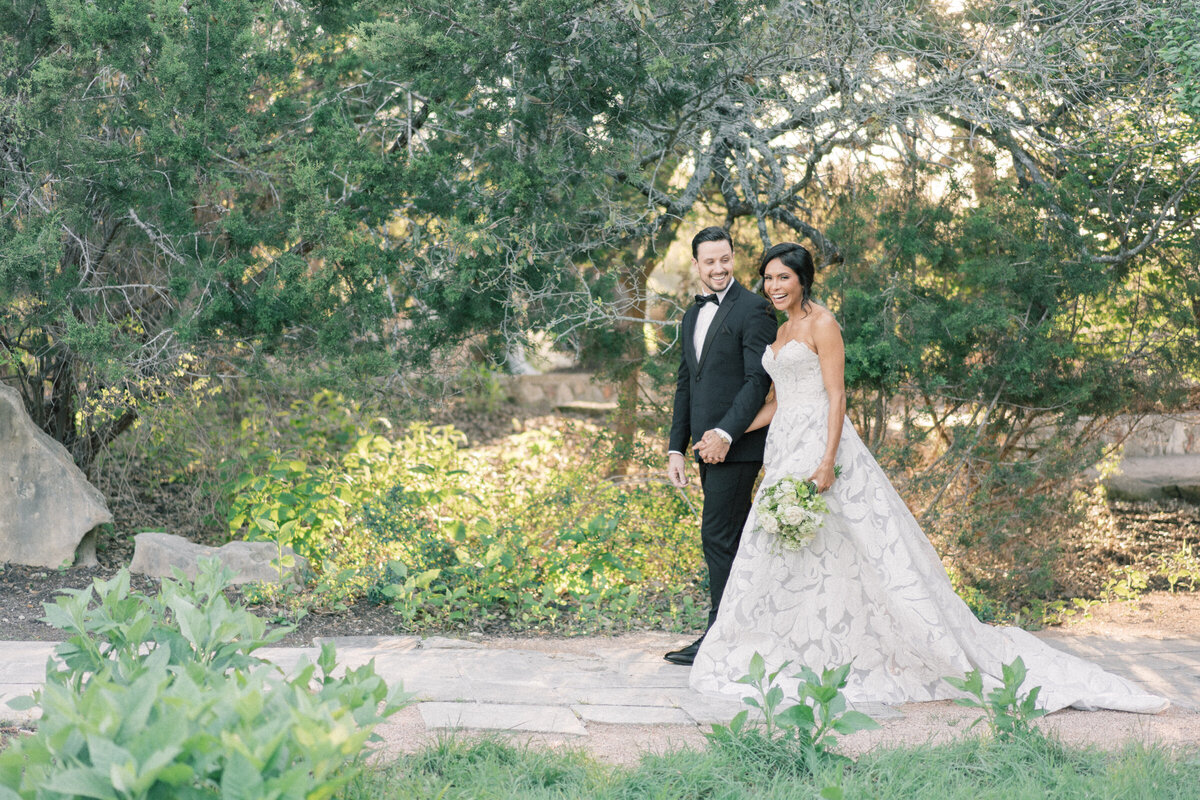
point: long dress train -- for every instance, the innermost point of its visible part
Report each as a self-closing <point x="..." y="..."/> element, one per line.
<point x="869" y="588"/>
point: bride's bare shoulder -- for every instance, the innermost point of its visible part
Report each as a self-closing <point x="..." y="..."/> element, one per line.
<point x="824" y="329"/>
<point x="821" y="317"/>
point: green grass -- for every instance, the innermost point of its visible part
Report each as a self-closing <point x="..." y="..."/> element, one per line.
<point x="975" y="769"/>
<point x="486" y="768"/>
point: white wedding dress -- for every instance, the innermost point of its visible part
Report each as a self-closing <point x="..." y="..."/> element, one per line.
<point x="869" y="588"/>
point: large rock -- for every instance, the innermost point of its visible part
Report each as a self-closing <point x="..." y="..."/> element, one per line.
<point x="47" y="507"/>
<point x="156" y="553"/>
<point x="1156" y="478"/>
<point x="1160" y="458"/>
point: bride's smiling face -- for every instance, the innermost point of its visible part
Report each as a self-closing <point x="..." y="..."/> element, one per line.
<point x="782" y="286"/>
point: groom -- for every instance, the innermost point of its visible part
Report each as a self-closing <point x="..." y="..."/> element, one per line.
<point x="720" y="388"/>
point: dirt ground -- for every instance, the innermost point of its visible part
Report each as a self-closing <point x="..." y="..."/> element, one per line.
<point x="23" y="590"/>
<point x="1159" y="615"/>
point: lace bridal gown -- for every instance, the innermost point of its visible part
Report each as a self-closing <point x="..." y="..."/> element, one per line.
<point x="869" y="588"/>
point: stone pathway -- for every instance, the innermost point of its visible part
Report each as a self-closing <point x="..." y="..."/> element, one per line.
<point x="617" y="697"/>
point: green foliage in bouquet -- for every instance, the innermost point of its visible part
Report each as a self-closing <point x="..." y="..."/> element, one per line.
<point x="793" y="510"/>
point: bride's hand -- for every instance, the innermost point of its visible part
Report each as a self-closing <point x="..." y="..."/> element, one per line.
<point x="823" y="476"/>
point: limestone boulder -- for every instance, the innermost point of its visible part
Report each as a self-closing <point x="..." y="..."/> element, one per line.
<point x="1160" y="457"/>
<point x="48" y="510"/>
<point x="1156" y="478"/>
<point x="155" y="554"/>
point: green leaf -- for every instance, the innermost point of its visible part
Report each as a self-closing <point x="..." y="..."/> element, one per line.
<point x="175" y="774"/>
<point x="1013" y="674"/>
<point x="105" y="755"/>
<point x="81" y="782"/>
<point x="328" y="658"/>
<point x="853" y="721"/>
<point x="23" y="703"/>
<point x="240" y="779"/>
<point x="266" y="524"/>
<point x="758" y="669"/>
<point x="823" y="694"/>
<point x="798" y="716"/>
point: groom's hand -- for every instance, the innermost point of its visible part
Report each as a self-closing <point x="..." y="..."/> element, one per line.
<point x="677" y="470"/>
<point x="713" y="447"/>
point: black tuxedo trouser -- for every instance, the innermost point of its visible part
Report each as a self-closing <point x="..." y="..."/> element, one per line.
<point x="728" y="494"/>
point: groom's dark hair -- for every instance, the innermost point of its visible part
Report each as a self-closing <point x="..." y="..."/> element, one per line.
<point x="795" y="258"/>
<point x="712" y="234"/>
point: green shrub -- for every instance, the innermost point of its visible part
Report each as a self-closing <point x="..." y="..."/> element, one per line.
<point x="316" y="507"/>
<point x="160" y="697"/>
<point x="575" y="550"/>
<point x="309" y="506"/>
<point x="806" y="725"/>
<point x="527" y="533"/>
<point x="1008" y="712"/>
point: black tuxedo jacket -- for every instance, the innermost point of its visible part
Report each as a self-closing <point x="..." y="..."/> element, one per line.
<point x="726" y="387"/>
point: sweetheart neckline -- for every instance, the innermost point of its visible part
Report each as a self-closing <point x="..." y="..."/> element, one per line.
<point x="775" y="355"/>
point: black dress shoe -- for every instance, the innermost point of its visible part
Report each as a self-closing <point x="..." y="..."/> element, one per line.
<point x="685" y="655"/>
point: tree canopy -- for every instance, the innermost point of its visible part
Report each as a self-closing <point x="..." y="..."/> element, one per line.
<point x="174" y="179"/>
<point x="1002" y="194"/>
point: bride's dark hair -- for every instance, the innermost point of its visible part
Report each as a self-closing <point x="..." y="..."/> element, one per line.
<point x="795" y="258"/>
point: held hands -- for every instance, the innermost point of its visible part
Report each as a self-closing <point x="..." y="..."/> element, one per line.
<point x="713" y="448"/>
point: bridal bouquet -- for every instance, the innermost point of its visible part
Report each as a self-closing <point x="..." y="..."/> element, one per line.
<point x="792" y="509"/>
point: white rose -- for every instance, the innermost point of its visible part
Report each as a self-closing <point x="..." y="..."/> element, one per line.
<point x="768" y="523"/>
<point x="793" y="515"/>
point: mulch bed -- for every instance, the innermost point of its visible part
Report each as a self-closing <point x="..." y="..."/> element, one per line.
<point x="24" y="589"/>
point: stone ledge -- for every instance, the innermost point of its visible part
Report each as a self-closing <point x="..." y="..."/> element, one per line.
<point x="501" y="717"/>
<point x="1156" y="478"/>
<point x="633" y="715"/>
<point x="588" y="408"/>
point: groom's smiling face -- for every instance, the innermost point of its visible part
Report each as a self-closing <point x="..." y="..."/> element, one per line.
<point x="714" y="265"/>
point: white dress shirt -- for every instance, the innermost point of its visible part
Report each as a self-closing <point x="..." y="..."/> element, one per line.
<point x="704" y="320"/>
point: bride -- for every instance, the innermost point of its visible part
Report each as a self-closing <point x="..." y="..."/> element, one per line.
<point x="869" y="588"/>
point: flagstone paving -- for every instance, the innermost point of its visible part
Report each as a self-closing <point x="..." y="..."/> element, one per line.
<point x="574" y="689"/>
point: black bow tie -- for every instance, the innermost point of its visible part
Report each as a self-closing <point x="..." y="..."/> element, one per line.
<point x="701" y="299"/>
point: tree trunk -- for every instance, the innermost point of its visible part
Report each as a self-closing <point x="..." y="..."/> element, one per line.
<point x="627" y="393"/>
<point x="633" y="291"/>
<point x="59" y="421"/>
